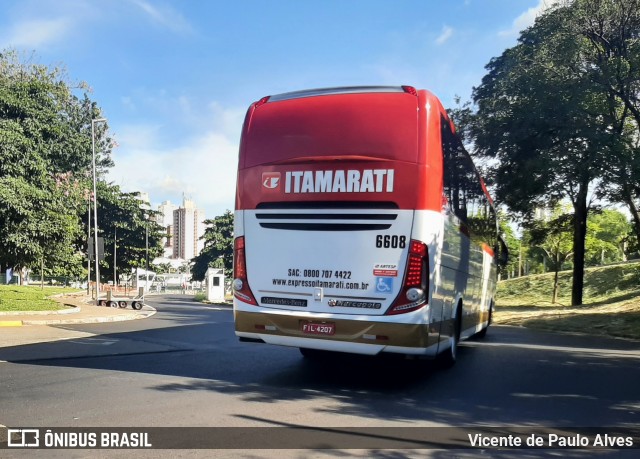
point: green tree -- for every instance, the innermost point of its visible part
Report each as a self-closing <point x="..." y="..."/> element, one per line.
<point x="610" y="34"/>
<point x="463" y="118"/>
<point x="46" y="154"/>
<point x="124" y="220"/>
<point x="513" y="246"/>
<point x="606" y="232"/>
<point x="218" y="246"/>
<point x="553" y="238"/>
<point x="541" y="116"/>
<point x="163" y="268"/>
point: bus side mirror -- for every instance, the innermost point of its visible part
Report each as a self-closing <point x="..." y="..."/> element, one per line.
<point x="503" y="253"/>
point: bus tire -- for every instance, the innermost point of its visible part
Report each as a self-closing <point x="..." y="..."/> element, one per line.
<point x="312" y="354"/>
<point x="448" y="358"/>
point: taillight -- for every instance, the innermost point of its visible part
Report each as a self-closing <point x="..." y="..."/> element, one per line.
<point x="417" y="251"/>
<point x="413" y="294"/>
<point x="262" y="101"/>
<point x="241" y="288"/>
<point x="410" y="90"/>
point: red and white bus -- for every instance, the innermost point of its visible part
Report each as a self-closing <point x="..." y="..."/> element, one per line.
<point x="361" y="225"/>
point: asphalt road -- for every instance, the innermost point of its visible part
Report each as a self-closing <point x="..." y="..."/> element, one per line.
<point x="184" y="367"/>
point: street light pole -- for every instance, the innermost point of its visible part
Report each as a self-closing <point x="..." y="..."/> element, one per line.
<point x="95" y="204"/>
<point x="89" y="248"/>
<point x="146" y="243"/>
<point x="115" y="269"/>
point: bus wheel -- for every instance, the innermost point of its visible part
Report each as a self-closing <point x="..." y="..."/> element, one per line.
<point x="312" y="354"/>
<point x="448" y="358"/>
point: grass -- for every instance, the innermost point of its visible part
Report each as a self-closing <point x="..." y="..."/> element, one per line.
<point x="14" y="298"/>
<point x="611" y="300"/>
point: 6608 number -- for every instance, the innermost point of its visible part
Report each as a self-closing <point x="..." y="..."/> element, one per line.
<point x="388" y="241"/>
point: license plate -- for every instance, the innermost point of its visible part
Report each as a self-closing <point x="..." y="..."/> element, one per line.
<point x="314" y="328"/>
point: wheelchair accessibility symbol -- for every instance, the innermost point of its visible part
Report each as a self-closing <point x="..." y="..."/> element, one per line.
<point x="384" y="284"/>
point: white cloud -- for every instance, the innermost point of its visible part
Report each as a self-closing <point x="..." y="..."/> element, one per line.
<point x="36" y="33"/>
<point x="128" y="103"/>
<point x="446" y="33"/>
<point x="203" y="167"/>
<point x="227" y="121"/>
<point x="165" y="17"/>
<point x="527" y="18"/>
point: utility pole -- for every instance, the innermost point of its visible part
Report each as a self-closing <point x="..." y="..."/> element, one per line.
<point x="89" y="248"/>
<point x="115" y="269"/>
<point x="95" y="205"/>
<point x="146" y="243"/>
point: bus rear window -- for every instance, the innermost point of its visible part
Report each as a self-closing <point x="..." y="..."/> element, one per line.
<point x="370" y="125"/>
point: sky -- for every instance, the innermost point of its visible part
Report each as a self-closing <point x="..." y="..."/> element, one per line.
<point x="174" y="78"/>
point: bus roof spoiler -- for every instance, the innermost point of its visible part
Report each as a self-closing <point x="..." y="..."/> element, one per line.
<point x="341" y="90"/>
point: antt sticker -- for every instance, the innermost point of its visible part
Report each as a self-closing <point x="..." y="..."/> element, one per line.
<point x="385" y="269"/>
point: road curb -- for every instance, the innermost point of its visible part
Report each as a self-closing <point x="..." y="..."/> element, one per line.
<point x="93" y="320"/>
<point x="64" y="319"/>
<point x="11" y="323"/>
<point x="71" y="309"/>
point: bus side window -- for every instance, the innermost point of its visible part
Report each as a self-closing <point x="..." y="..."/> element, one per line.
<point x="456" y="174"/>
<point x="463" y="189"/>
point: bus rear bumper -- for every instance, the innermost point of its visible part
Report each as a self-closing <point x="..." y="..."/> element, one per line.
<point x="353" y="336"/>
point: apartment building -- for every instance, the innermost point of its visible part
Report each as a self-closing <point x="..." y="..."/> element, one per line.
<point x="165" y="219"/>
<point x="188" y="228"/>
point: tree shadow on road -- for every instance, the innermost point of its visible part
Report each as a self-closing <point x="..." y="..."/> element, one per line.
<point x="514" y="377"/>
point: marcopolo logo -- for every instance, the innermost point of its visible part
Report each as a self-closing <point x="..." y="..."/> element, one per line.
<point x="271" y="180"/>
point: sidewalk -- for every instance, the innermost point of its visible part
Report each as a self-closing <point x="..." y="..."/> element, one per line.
<point x="80" y="310"/>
